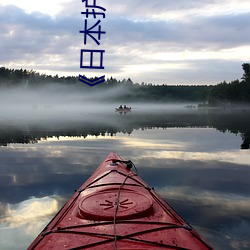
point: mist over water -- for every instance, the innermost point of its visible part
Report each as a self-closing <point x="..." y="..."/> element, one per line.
<point x="60" y="109"/>
<point x="50" y="102"/>
<point x="56" y="103"/>
<point x="191" y="156"/>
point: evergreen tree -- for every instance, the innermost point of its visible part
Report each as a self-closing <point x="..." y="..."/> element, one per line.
<point x="246" y="69"/>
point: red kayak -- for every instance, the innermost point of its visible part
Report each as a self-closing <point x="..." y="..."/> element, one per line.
<point x="116" y="209"/>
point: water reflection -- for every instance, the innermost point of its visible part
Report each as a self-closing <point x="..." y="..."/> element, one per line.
<point x="110" y="123"/>
<point x="195" y="166"/>
<point x="31" y="210"/>
<point x="20" y="222"/>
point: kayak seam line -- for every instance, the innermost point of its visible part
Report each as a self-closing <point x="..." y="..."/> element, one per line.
<point x="99" y="178"/>
<point x="120" y="222"/>
<point x="110" y="184"/>
<point x="128" y="237"/>
<point x="114" y="170"/>
<point x="62" y="230"/>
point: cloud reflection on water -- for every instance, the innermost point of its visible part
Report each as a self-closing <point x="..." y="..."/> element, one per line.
<point x="21" y="222"/>
<point x="29" y="211"/>
<point x="207" y="184"/>
<point x="234" y="156"/>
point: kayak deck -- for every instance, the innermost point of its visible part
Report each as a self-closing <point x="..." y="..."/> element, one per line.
<point x="116" y="209"/>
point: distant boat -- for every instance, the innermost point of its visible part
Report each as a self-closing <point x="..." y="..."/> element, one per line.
<point x="125" y="110"/>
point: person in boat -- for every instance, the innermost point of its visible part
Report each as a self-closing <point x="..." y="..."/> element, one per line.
<point x="125" y="107"/>
<point x="120" y="107"/>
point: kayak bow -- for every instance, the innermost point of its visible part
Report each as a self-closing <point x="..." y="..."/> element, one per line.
<point x="116" y="209"/>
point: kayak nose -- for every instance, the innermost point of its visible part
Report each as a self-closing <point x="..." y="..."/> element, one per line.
<point x="113" y="155"/>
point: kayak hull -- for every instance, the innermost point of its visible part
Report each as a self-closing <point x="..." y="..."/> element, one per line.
<point x="116" y="209"/>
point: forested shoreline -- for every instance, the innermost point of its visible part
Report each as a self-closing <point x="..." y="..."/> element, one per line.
<point x="224" y="93"/>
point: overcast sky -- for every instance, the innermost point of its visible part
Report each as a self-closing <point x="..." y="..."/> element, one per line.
<point x="153" y="41"/>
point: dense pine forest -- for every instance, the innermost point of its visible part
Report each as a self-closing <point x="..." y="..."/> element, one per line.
<point x="234" y="92"/>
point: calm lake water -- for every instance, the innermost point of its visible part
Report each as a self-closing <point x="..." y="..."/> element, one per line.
<point x="197" y="160"/>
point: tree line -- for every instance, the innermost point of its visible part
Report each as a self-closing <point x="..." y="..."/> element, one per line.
<point x="236" y="91"/>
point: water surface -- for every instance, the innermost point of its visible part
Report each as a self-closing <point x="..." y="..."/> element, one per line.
<point x="193" y="158"/>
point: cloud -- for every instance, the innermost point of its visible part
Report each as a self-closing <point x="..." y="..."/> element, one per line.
<point x="158" y="38"/>
<point x="198" y="33"/>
